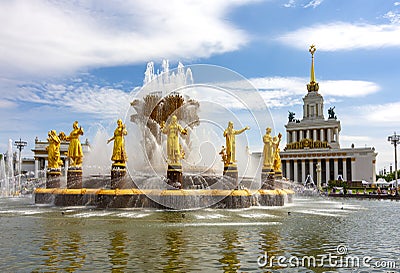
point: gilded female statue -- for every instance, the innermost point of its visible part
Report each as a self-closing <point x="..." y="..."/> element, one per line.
<point x="230" y="148"/>
<point x="119" y="153"/>
<point x="75" y="153"/>
<point x="172" y="131"/>
<point x="277" y="156"/>
<point x="53" y="150"/>
<point x="270" y="148"/>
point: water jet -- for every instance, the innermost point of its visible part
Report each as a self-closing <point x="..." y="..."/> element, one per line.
<point x="166" y="164"/>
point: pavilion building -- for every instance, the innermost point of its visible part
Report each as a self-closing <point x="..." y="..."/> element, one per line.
<point x="41" y="156"/>
<point x="314" y="142"/>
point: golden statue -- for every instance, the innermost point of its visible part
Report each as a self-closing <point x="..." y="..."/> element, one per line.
<point x="277" y="157"/>
<point x="230" y="149"/>
<point x="270" y="148"/>
<point x="75" y="153"/>
<point x="119" y="153"/>
<point x="172" y="131"/>
<point x="53" y="150"/>
<point x="224" y="156"/>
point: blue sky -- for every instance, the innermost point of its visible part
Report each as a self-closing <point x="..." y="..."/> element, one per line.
<point x="62" y="61"/>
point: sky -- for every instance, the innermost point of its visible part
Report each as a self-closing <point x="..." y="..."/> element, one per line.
<point x="62" y="61"/>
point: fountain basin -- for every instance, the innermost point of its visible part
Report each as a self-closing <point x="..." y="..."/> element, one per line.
<point x="162" y="199"/>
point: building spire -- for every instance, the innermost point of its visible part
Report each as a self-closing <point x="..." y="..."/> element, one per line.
<point x="313" y="85"/>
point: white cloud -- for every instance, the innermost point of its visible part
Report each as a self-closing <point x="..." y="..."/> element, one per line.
<point x="382" y="114"/>
<point x="393" y="16"/>
<point x="343" y="36"/>
<point x="6" y="104"/>
<point x="370" y="125"/>
<point x="288" y="91"/>
<point x="279" y="91"/>
<point x="397" y="3"/>
<point x="313" y="4"/>
<point x="295" y="85"/>
<point x="76" y="97"/>
<point x="290" y="4"/>
<point x="350" y="139"/>
<point x="348" y="88"/>
<point x="41" y="37"/>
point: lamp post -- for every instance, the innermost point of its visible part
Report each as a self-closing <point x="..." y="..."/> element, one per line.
<point x="20" y="144"/>
<point x="319" y="177"/>
<point x="394" y="139"/>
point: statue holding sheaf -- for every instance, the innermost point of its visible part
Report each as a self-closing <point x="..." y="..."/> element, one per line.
<point x="277" y="157"/>
<point x="172" y="130"/>
<point x="271" y="150"/>
<point x="75" y="153"/>
<point x="53" y="151"/>
<point x="119" y="154"/>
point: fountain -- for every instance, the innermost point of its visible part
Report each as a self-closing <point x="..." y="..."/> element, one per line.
<point x="8" y="186"/>
<point x="170" y="160"/>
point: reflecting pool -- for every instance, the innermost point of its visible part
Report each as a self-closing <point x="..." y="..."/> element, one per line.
<point x="337" y="233"/>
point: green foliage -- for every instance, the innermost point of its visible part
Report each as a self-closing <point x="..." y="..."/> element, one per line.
<point x="389" y="176"/>
<point x="337" y="183"/>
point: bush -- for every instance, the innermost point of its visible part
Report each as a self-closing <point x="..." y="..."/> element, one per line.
<point x="337" y="183"/>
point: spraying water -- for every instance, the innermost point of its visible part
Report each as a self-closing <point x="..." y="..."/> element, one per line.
<point x="97" y="161"/>
<point x="8" y="180"/>
<point x="3" y="178"/>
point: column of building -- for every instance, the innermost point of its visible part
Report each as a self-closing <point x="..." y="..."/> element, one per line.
<point x="353" y="163"/>
<point x="344" y="174"/>
<point x="311" y="168"/>
<point x="336" y="168"/>
<point x="328" y="170"/>
<point x="296" y="178"/>
<point x="36" y="167"/>
<point x="287" y="175"/>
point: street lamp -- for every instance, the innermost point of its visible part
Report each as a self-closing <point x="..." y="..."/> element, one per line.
<point x="394" y="139"/>
<point x="20" y="145"/>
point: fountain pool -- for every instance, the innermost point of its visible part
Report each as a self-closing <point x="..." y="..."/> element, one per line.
<point x="203" y="99"/>
<point x="42" y="238"/>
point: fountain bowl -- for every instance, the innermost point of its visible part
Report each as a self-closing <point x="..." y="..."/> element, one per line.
<point x="182" y="199"/>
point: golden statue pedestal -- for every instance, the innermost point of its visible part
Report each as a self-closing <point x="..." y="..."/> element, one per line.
<point x="74" y="178"/>
<point x="174" y="175"/>
<point x="53" y="178"/>
<point x="118" y="172"/>
<point x="231" y="171"/>
<point x="278" y="175"/>
<point x="268" y="178"/>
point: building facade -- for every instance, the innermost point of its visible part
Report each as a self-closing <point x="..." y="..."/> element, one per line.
<point x="40" y="155"/>
<point x="314" y="142"/>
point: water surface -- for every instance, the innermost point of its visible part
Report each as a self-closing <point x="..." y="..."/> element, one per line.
<point x="81" y="239"/>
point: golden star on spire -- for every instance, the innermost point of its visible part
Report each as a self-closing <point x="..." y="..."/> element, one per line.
<point x="313" y="85"/>
<point x="312" y="49"/>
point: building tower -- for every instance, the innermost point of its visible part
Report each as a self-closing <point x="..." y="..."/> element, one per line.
<point x="313" y="142"/>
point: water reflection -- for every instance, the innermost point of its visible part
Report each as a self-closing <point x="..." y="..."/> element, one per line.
<point x="72" y="252"/>
<point x="117" y="251"/>
<point x="175" y="244"/>
<point x="270" y="246"/>
<point x="62" y="251"/>
<point x="231" y="248"/>
<point x="200" y="241"/>
<point x="51" y="252"/>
